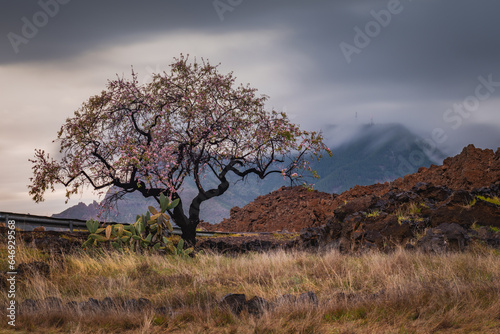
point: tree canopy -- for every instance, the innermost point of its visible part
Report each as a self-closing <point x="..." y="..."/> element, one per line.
<point x="189" y="122"/>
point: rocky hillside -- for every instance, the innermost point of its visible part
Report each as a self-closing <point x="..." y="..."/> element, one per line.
<point x="448" y="205"/>
<point x="288" y="208"/>
<point x="472" y="168"/>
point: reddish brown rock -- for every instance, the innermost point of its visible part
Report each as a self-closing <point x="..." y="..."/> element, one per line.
<point x="445" y="190"/>
<point x="288" y="208"/>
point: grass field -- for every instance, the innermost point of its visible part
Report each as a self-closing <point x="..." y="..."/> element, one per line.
<point x="401" y="292"/>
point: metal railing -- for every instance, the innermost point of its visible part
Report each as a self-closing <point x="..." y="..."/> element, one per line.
<point x="28" y="222"/>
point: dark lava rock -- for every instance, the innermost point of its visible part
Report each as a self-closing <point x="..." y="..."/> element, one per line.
<point x="29" y="306"/>
<point x="431" y="192"/>
<point x="316" y="236"/>
<point x="52" y="303"/>
<point x="72" y="305"/>
<point x="163" y="310"/>
<point x="56" y="245"/>
<point x="137" y="304"/>
<point x="482" y="213"/>
<point x="445" y="237"/>
<point x="374" y="237"/>
<point x="286" y="299"/>
<point x="234" y="302"/>
<point x="486" y="235"/>
<point x="109" y="303"/>
<point x="405" y="197"/>
<point x="409" y="247"/>
<point x="32" y="268"/>
<point x="258" y="246"/>
<point x="459" y="197"/>
<point x="308" y="298"/>
<point x="241" y="244"/>
<point x="346" y="296"/>
<point x="395" y="231"/>
<point x="92" y="305"/>
<point x="144" y="303"/>
<point x="355" y="205"/>
<point x="257" y="305"/>
<point x="95" y="303"/>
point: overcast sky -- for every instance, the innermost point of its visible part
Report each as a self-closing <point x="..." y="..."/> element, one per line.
<point x="432" y="65"/>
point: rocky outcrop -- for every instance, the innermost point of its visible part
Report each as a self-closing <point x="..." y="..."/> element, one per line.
<point x="445" y="237"/>
<point x="448" y="220"/>
<point x="473" y="168"/>
<point x="449" y="205"/>
<point x="447" y="189"/>
<point x="288" y="208"/>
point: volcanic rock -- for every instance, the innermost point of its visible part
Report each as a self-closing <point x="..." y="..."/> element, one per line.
<point x="445" y="237"/>
<point x="234" y="302"/>
<point x="32" y="268"/>
<point x="257" y="305"/>
<point x="290" y="208"/>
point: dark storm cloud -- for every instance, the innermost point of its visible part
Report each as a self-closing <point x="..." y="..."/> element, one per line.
<point x="426" y="51"/>
<point x="78" y="25"/>
<point x="437" y="46"/>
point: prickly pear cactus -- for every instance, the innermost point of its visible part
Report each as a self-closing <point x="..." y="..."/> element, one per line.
<point x="150" y="231"/>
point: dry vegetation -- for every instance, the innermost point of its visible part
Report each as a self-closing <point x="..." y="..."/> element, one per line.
<point x="402" y="292"/>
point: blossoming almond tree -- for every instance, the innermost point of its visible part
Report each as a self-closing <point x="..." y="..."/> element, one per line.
<point x="184" y="124"/>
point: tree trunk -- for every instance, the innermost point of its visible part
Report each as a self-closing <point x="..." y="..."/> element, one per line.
<point x="189" y="235"/>
<point x="187" y="225"/>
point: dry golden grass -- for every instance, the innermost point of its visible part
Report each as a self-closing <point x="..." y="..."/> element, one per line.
<point x="402" y="292"/>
